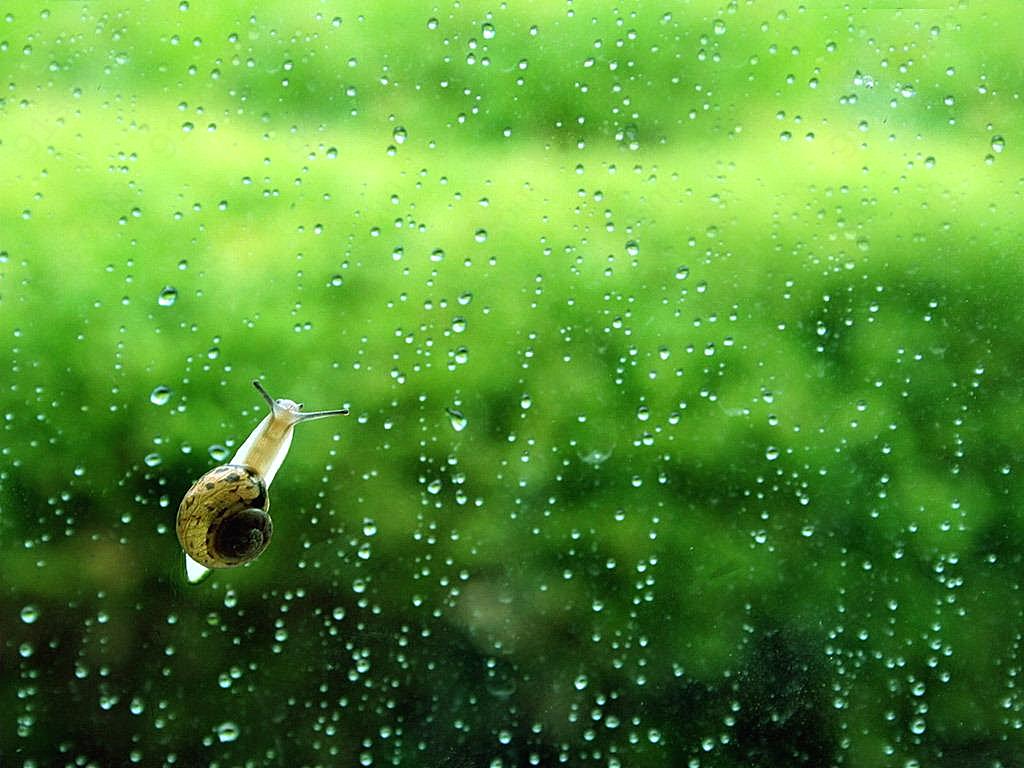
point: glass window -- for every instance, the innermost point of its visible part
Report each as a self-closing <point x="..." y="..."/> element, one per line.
<point x="682" y="345"/>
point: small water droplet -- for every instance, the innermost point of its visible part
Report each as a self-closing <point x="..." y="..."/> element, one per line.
<point x="399" y="134"/>
<point x="160" y="395"/>
<point x="998" y="144"/>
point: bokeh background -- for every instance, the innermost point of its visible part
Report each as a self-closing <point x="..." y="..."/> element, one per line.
<point x="684" y="349"/>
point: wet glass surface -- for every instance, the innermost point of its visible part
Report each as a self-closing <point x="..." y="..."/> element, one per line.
<point x="682" y="346"/>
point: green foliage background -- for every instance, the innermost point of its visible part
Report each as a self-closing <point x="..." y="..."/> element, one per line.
<point x="684" y="350"/>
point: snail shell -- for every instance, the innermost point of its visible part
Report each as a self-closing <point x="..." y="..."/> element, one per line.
<point x="223" y="520"/>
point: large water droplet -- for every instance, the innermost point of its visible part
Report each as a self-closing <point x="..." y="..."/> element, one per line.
<point x="218" y="452"/>
<point x="227" y="732"/>
<point x="160" y="396"/>
<point x="458" y="421"/>
<point x="168" y="295"/>
<point x="29" y="614"/>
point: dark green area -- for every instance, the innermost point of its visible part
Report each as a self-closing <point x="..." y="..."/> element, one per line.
<point x="684" y="356"/>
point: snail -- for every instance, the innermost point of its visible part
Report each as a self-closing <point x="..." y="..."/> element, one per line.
<point x="223" y="521"/>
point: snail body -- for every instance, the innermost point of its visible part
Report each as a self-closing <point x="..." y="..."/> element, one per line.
<point x="224" y="520"/>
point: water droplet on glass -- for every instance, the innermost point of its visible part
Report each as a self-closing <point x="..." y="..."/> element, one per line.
<point x="29" y="614"/>
<point x="227" y="732"/>
<point x="771" y="453"/>
<point x="998" y="144"/>
<point x="458" y="421"/>
<point x="399" y="134"/>
<point x="167" y="296"/>
<point x="487" y="30"/>
<point x="160" y="396"/>
<point x="580" y="682"/>
<point x="218" y="452"/>
<point x="153" y="459"/>
<point x="458" y="324"/>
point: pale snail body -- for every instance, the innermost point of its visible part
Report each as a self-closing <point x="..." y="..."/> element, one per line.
<point x="224" y="519"/>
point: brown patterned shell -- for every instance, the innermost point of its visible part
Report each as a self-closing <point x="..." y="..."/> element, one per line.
<point x="223" y="520"/>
